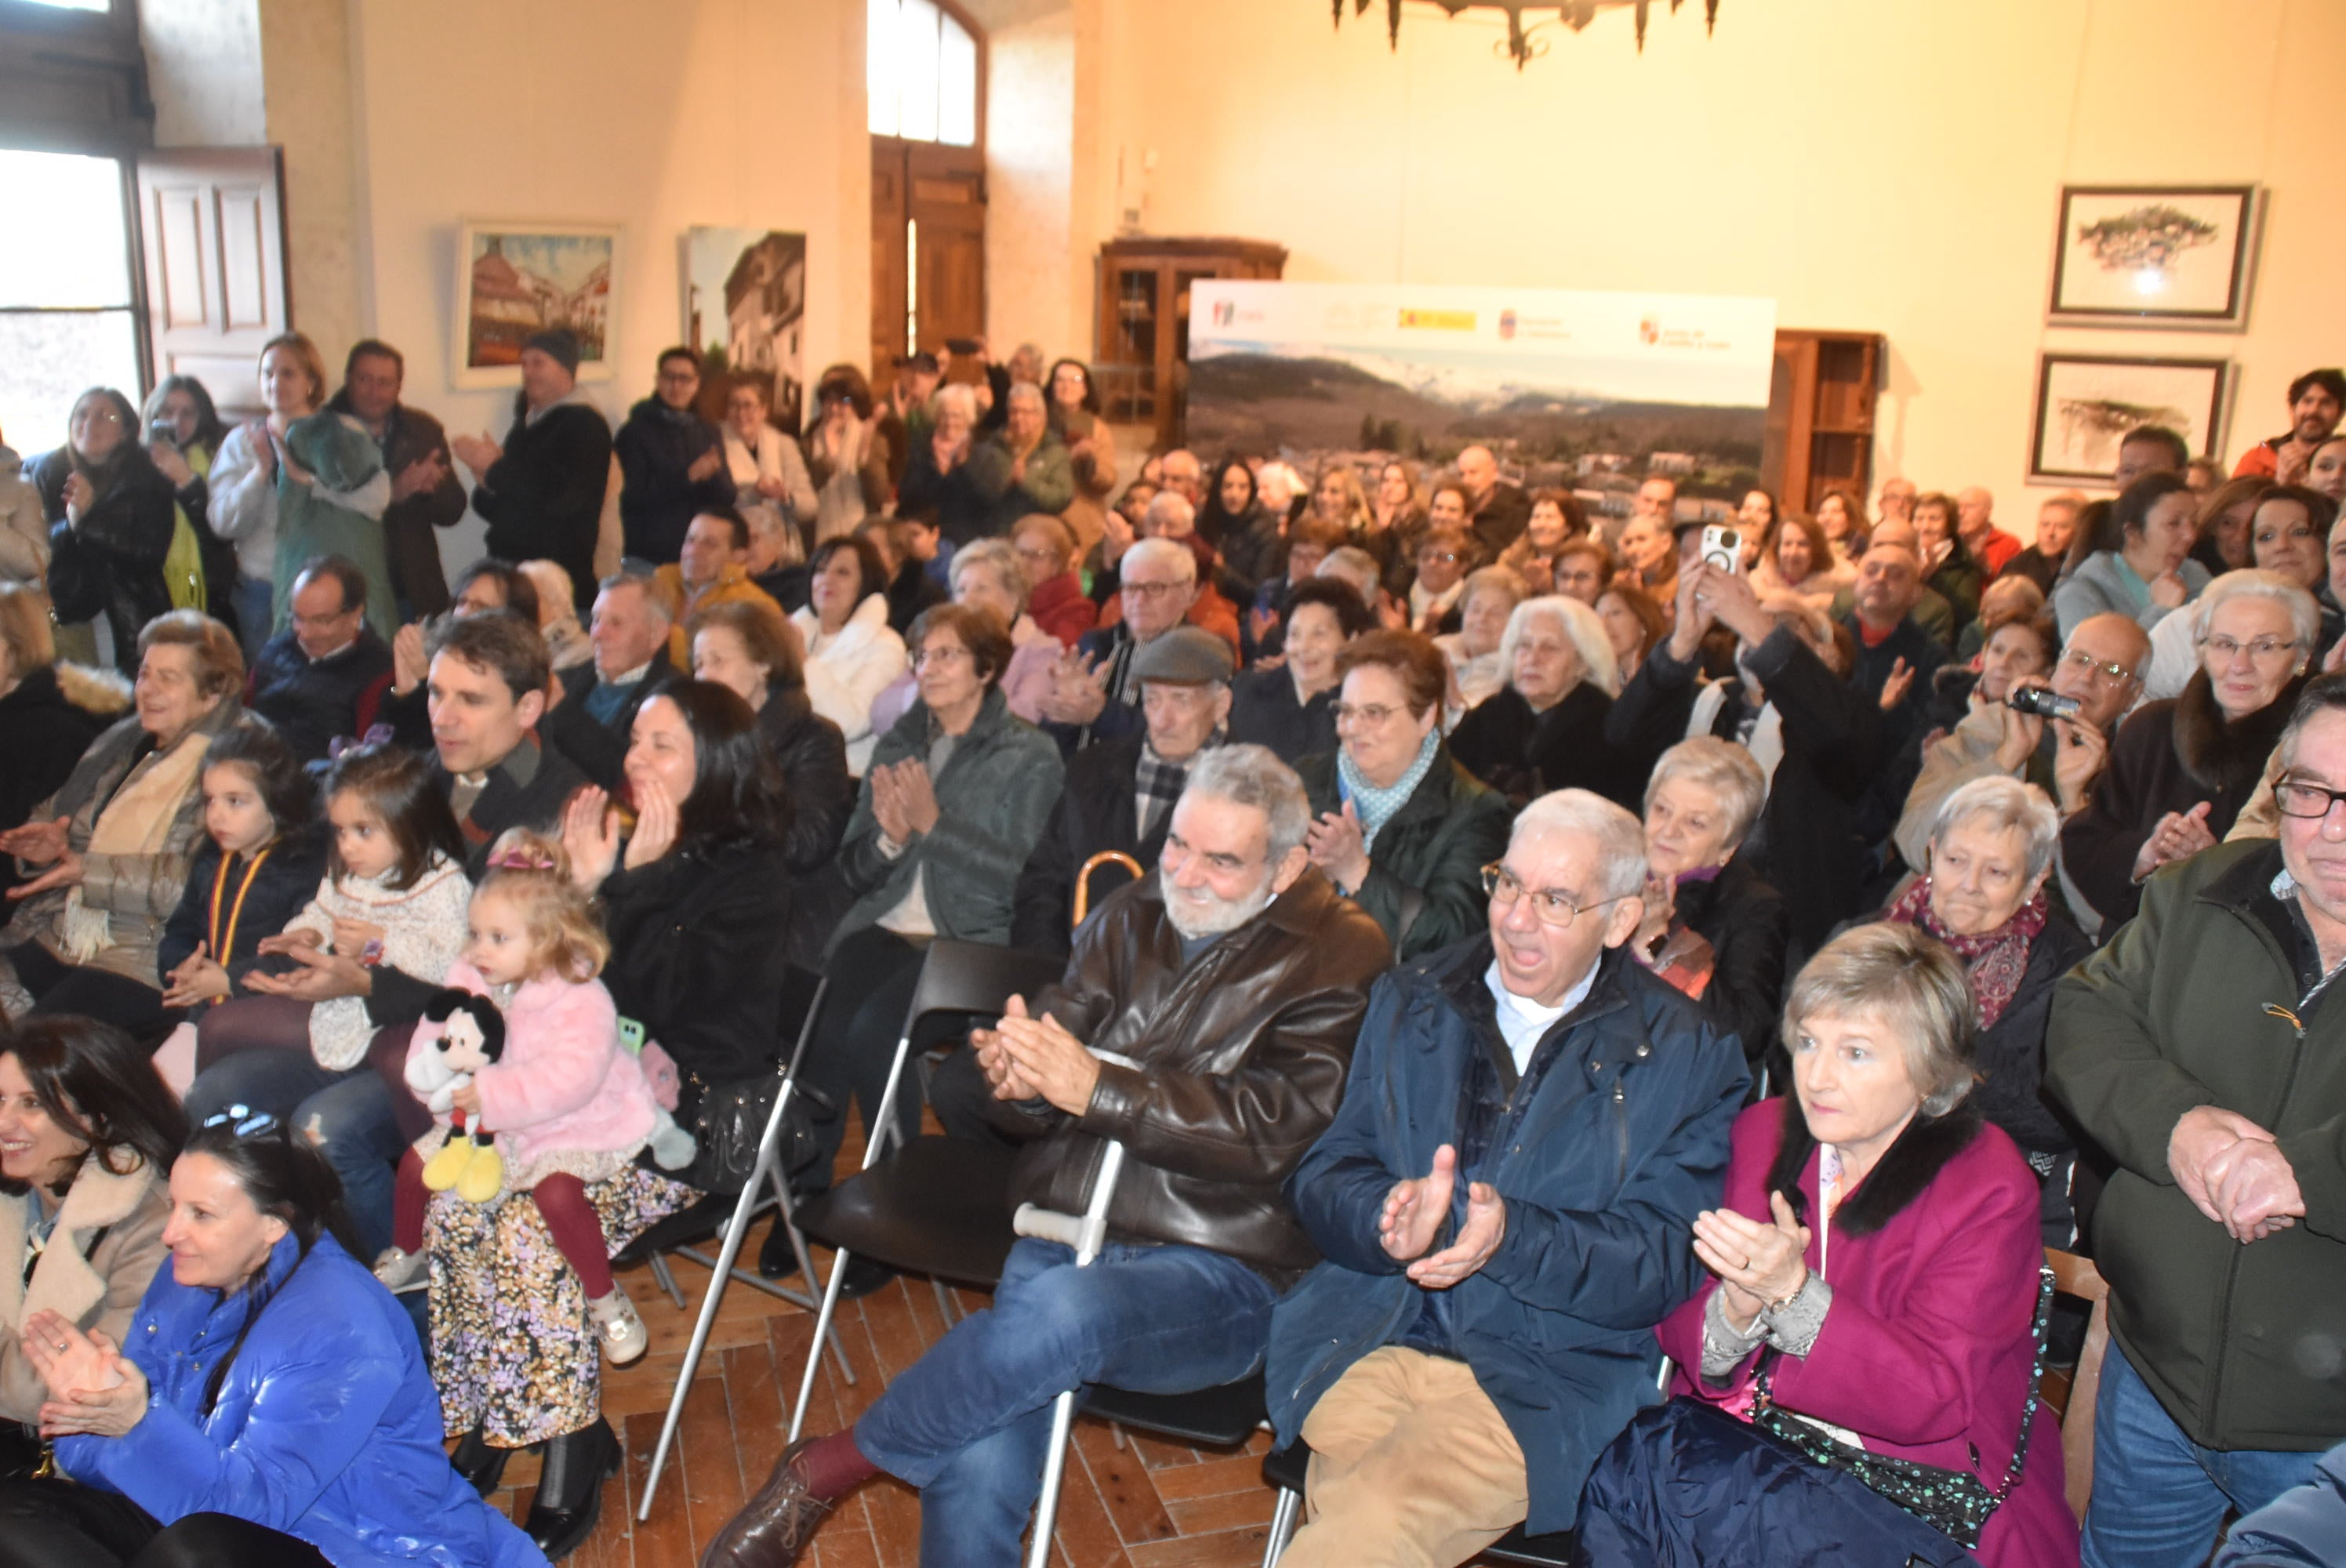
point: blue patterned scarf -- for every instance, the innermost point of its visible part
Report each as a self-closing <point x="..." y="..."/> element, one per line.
<point x="1374" y="806"/>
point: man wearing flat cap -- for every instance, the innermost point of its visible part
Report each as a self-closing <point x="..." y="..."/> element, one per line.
<point x="542" y="492"/>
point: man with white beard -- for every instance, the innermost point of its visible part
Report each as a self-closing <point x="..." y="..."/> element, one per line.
<point x="1233" y="980"/>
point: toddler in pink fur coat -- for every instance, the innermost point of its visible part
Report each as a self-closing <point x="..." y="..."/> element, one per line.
<point x="569" y="1103"/>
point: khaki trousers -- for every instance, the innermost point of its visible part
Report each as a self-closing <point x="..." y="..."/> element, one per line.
<point x="1412" y="1466"/>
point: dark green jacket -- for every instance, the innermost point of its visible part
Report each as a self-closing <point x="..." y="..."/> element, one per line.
<point x="2211" y="996"/>
<point x="992" y="797"/>
<point x="1425" y="871"/>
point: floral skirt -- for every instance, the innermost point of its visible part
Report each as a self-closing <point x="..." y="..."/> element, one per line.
<point x="513" y="1352"/>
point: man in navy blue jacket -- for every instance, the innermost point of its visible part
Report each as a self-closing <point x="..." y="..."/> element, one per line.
<point x="1504" y="1204"/>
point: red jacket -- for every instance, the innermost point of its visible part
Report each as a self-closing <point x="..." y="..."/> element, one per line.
<point x="1927" y="1345"/>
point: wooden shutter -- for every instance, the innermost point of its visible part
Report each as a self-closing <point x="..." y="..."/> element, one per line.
<point x="211" y="226"/>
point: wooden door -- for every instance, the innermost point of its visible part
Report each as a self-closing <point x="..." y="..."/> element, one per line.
<point x="928" y="247"/>
<point x="890" y="263"/>
<point x="211" y="228"/>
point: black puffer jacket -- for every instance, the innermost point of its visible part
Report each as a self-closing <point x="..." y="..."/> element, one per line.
<point x="697" y="954"/>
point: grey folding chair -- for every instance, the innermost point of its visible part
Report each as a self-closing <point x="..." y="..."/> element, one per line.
<point x="768" y="1184"/>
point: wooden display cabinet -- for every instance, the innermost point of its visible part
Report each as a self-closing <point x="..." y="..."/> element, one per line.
<point x="1141" y="354"/>
<point x="1820" y="408"/>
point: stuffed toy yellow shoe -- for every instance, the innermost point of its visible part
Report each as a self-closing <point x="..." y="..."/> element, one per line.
<point x="442" y="1170"/>
<point x="485" y="1173"/>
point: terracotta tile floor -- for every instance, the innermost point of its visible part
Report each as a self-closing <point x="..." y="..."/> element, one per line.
<point x="1149" y="1505"/>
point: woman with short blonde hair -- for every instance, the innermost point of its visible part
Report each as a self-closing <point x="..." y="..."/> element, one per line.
<point x="1871" y="1198"/>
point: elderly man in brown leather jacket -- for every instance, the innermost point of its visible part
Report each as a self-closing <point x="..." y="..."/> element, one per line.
<point x="1234" y="979"/>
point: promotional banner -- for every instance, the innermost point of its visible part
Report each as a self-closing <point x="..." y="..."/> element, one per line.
<point x="1585" y="391"/>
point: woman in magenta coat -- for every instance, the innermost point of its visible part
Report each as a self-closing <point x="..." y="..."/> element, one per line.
<point x="1906" y="1322"/>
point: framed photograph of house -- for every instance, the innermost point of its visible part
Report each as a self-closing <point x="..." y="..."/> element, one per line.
<point x="2154" y="256"/>
<point x="517" y="279"/>
<point x="2085" y="404"/>
<point x="745" y="310"/>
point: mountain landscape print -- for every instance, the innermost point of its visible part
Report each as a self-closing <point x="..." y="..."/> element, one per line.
<point x="1589" y="391"/>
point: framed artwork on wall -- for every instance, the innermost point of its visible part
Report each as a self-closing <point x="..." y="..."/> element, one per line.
<point x="515" y="278"/>
<point x="2154" y="256"/>
<point x="745" y="311"/>
<point x="2085" y="403"/>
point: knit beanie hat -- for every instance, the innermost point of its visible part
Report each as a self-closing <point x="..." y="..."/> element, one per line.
<point x="561" y="343"/>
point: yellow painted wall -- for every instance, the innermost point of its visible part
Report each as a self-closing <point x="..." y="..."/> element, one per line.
<point x="1883" y="165"/>
<point x="661" y="114"/>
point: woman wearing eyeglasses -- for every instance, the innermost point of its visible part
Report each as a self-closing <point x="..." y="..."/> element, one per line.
<point x="2180" y="770"/>
<point x="766" y="466"/>
<point x="957" y="793"/>
<point x="1399" y="825"/>
<point x="268" y="1406"/>
<point x="106" y="568"/>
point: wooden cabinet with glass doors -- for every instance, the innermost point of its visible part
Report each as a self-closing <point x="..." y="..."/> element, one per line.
<point x="1142" y="355"/>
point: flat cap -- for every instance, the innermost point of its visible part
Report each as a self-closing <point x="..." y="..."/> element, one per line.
<point x="1185" y="655"/>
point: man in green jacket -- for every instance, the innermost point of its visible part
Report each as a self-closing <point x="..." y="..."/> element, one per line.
<point x="2203" y="1048"/>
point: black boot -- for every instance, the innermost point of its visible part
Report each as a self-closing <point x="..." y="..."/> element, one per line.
<point x="778" y="1260"/>
<point x="479" y="1463"/>
<point x="570" y="1489"/>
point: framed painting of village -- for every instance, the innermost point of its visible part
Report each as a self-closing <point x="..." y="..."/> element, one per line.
<point x="514" y="278"/>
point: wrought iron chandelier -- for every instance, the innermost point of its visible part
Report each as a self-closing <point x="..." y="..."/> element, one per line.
<point x="1524" y="41"/>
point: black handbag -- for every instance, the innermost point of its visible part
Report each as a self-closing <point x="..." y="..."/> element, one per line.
<point x="1955" y="1502"/>
<point x="728" y="1119"/>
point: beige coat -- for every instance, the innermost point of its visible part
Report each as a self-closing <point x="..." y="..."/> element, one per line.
<point x="98" y="1287"/>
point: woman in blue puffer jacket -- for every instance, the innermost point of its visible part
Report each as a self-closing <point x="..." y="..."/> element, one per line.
<point x="272" y="1409"/>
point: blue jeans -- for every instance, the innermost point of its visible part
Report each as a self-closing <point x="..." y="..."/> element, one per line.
<point x="255" y="599"/>
<point x="968" y="1422"/>
<point x="349" y="1113"/>
<point x="2159" y="1497"/>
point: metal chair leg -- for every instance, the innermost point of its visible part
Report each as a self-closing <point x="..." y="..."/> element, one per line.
<point x="814" y="1352"/>
<point x="667" y="1280"/>
<point x="1282" y="1526"/>
<point x="944" y="1301"/>
<point x="700" y="1331"/>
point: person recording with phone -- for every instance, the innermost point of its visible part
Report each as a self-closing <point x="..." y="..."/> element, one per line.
<point x="2053" y="732"/>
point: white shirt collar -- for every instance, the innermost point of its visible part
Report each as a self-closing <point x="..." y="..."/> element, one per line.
<point x="1523" y="1021"/>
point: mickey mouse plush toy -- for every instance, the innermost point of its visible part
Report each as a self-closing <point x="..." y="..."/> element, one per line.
<point x="473" y="1035"/>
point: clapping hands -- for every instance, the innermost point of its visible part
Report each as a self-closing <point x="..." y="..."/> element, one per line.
<point x="94" y="1390"/>
<point x="1416" y="1209"/>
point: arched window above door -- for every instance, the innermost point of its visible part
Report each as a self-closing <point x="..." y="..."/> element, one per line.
<point x="923" y="69"/>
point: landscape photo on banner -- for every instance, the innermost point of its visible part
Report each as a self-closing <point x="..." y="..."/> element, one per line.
<point x="1574" y="390"/>
<point x="745" y="311"/>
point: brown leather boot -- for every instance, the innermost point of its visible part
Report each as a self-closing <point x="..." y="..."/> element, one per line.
<point x="774" y="1526"/>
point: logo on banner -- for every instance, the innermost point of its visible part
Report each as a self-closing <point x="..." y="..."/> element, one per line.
<point x="1225" y="313"/>
<point x="1507" y="325"/>
<point x="1438" y="321"/>
<point x="1649" y="330"/>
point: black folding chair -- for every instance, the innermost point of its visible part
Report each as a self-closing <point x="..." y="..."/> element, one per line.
<point x="938" y="1206"/>
<point x="768" y="1184"/>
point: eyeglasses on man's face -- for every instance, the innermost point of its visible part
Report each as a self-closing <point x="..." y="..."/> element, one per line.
<point x="2304" y="798"/>
<point x="1551" y="906"/>
<point x="1151" y="591"/>
<point x="2103" y="671"/>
